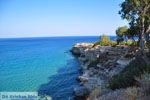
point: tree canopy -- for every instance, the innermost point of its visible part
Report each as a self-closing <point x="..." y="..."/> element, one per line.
<point x="137" y="12"/>
<point x="122" y="31"/>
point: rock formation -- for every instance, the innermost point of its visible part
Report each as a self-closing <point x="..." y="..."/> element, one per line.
<point x="98" y="65"/>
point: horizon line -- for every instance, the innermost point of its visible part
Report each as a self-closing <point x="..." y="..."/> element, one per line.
<point x="53" y="36"/>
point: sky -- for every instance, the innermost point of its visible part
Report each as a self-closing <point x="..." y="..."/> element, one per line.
<point x="42" y="18"/>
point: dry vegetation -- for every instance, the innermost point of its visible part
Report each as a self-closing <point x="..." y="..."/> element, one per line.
<point x="130" y="93"/>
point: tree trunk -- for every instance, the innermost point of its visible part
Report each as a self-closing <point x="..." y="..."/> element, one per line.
<point x="142" y="36"/>
<point x="146" y="36"/>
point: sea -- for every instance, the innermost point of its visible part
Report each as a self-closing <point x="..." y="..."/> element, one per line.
<point x="41" y="64"/>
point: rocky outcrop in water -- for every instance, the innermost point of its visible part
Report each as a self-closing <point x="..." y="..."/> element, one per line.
<point x="98" y="65"/>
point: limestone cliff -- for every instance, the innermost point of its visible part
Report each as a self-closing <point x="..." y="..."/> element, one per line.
<point x="98" y="65"/>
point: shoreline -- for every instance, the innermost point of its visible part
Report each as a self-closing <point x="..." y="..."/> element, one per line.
<point x="98" y="65"/>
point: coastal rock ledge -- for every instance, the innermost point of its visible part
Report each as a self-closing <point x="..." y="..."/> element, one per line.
<point x="80" y="47"/>
<point x="98" y="65"/>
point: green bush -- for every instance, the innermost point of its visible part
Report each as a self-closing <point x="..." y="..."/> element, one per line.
<point x="104" y="38"/>
<point x="135" y="43"/>
<point x="122" y="43"/>
<point x="110" y="43"/>
<point x="96" y="43"/>
<point x="128" y="43"/>
<point x="127" y="76"/>
<point x="105" y="41"/>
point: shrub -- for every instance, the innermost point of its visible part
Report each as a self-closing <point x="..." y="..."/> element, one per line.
<point x="135" y="43"/>
<point x="96" y="43"/>
<point x="132" y="93"/>
<point x="112" y="43"/>
<point x="122" y="43"/>
<point x="144" y="82"/>
<point x="104" y="38"/>
<point x="127" y="76"/>
<point x="105" y="41"/>
<point x="129" y="42"/>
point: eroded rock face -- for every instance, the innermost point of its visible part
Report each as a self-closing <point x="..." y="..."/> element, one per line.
<point x="99" y="64"/>
<point x="81" y="91"/>
<point x="80" y="47"/>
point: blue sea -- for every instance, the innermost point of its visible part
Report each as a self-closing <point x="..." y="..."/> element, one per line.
<point x="40" y="64"/>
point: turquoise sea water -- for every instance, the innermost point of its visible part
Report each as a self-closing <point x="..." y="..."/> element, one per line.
<point x="40" y="64"/>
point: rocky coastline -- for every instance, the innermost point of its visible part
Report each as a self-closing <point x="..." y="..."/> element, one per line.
<point x="98" y="65"/>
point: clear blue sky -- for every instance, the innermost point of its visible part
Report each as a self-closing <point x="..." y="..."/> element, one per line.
<point x="34" y="18"/>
